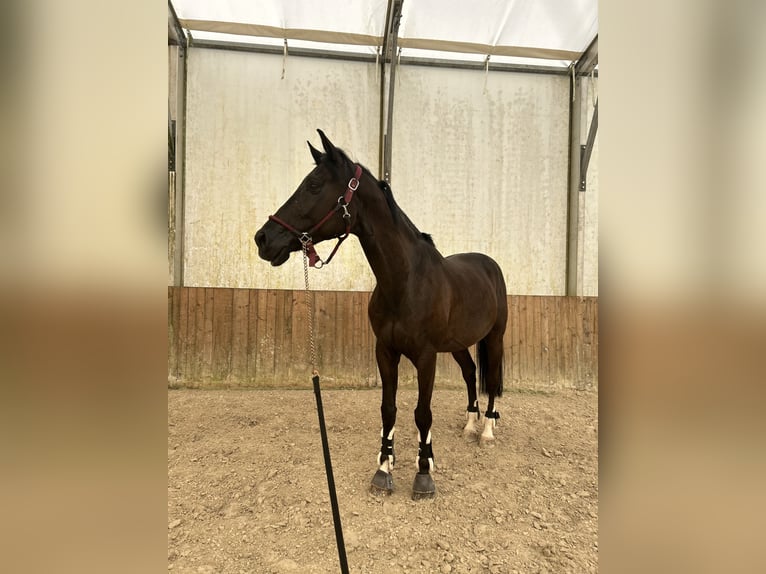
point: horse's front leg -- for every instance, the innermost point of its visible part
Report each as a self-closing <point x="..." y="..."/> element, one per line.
<point x="424" y="487"/>
<point x="388" y="365"/>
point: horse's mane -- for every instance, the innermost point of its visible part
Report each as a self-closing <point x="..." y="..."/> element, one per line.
<point x="396" y="211"/>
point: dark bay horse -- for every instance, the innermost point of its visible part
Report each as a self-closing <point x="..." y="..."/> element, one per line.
<point x="423" y="303"/>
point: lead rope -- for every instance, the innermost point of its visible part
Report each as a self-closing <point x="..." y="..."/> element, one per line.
<point x="310" y="311"/>
<point x="322" y="430"/>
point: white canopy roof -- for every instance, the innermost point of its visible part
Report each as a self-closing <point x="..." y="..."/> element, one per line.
<point x="536" y="32"/>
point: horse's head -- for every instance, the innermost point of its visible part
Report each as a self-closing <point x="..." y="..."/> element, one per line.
<point x="319" y="209"/>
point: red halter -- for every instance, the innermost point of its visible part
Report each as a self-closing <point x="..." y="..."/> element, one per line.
<point x="305" y="236"/>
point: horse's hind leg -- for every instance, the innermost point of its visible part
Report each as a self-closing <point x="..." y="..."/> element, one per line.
<point x="491" y="363"/>
<point x="468" y="369"/>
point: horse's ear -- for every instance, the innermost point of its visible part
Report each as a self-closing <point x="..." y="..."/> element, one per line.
<point x="315" y="153"/>
<point x="328" y="147"/>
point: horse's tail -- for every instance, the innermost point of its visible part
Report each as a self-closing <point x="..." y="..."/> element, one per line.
<point x="483" y="358"/>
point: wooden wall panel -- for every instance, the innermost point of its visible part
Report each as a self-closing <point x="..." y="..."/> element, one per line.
<point x="259" y="338"/>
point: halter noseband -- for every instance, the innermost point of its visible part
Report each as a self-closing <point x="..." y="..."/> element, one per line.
<point x="305" y="236"/>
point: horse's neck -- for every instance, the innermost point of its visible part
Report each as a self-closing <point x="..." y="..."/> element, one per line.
<point x="391" y="247"/>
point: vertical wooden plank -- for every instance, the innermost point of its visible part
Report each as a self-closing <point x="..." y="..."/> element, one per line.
<point x="575" y="327"/>
<point x="515" y="340"/>
<point x="341" y="334"/>
<point x="338" y="344"/>
<point x="265" y="352"/>
<point x="332" y="351"/>
<point x="252" y="337"/>
<point x="196" y="321"/>
<point x="532" y="339"/>
<point x="566" y="340"/>
<point x="187" y="338"/>
<point x="190" y="336"/>
<point x="346" y="375"/>
<point x="175" y="352"/>
<point x="507" y="346"/>
<point x="336" y="324"/>
<point x="222" y="333"/>
<point x="580" y="323"/>
<point x="596" y="334"/>
<point x="344" y="341"/>
<point x="281" y="361"/>
<point x="529" y="339"/>
<point x="271" y="336"/>
<point x="553" y="341"/>
<point x="293" y="370"/>
<point x="240" y="335"/>
<point x="187" y="334"/>
<point x="561" y="336"/>
<point x="537" y="351"/>
<point x="180" y="325"/>
<point x="563" y="305"/>
<point x="281" y="357"/>
<point x="545" y="374"/>
<point x="172" y="329"/>
<point x="205" y="354"/>
<point x="568" y="349"/>
<point x="522" y="340"/>
<point x="592" y="360"/>
<point x="586" y="342"/>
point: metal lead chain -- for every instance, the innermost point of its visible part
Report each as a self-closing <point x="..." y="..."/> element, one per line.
<point x="309" y="311"/>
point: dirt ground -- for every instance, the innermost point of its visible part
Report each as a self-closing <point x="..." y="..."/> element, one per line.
<point x="247" y="491"/>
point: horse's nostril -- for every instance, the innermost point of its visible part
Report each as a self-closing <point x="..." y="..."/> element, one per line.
<point x="260" y="238"/>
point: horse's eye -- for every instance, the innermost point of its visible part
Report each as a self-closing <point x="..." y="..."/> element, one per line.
<point x="315" y="187"/>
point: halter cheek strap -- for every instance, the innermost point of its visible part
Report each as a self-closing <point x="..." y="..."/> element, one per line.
<point x="305" y="236"/>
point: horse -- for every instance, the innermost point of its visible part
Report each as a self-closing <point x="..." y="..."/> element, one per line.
<point x="423" y="303"/>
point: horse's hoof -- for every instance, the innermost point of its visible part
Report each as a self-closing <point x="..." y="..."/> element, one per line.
<point x="382" y="483"/>
<point x="469" y="435"/>
<point x="423" y="487"/>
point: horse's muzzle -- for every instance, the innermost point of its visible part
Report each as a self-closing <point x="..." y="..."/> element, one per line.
<point x="272" y="249"/>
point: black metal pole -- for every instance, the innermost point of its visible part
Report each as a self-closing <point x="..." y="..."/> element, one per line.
<point x="330" y="480"/>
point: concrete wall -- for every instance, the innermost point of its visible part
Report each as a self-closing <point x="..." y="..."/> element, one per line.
<point x="480" y="168"/>
<point x="246" y="153"/>
<point x="486" y="169"/>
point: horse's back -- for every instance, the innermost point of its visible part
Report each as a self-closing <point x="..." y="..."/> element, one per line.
<point x="476" y="270"/>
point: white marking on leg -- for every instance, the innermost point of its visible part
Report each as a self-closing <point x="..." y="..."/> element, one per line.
<point x="472" y="421"/>
<point x="489" y="425"/>
<point x="386" y="465"/>
<point x="430" y="459"/>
